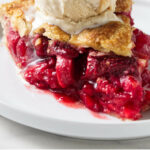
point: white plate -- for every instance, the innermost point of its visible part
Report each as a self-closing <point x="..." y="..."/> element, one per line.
<point x="42" y="111"/>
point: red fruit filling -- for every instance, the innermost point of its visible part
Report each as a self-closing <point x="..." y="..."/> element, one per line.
<point x="142" y="44"/>
<point x="102" y="82"/>
<point x="21" y="48"/>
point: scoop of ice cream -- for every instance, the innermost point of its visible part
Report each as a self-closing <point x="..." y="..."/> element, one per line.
<point x="75" y="10"/>
<point x="75" y="15"/>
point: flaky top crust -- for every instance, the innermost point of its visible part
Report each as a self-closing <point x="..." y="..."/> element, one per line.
<point x="114" y="36"/>
<point x="14" y="11"/>
<point x="124" y="5"/>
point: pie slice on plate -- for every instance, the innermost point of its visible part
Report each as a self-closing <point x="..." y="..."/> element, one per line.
<point x="88" y="51"/>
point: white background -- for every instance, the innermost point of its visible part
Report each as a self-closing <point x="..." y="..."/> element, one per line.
<point x="13" y="135"/>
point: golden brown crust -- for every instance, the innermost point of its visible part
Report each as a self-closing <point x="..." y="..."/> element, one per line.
<point x="53" y="32"/>
<point x="124" y="5"/>
<point x="114" y="36"/>
<point x="15" y="11"/>
<point x="125" y="19"/>
<point x="18" y="6"/>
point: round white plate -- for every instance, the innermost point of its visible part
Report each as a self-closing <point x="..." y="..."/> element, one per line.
<point x="36" y="109"/>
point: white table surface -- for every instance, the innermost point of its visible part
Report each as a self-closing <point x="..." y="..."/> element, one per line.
<point x="13" y="135"/>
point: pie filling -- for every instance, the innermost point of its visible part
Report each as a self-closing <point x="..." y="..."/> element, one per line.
<point x="103" y="82"/>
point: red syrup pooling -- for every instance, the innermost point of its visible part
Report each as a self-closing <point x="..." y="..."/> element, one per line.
<point x="61" y="98"/>
<point x="68" y="102"/>
<point x="99" y="116"/>
<point x="100" y="81"/>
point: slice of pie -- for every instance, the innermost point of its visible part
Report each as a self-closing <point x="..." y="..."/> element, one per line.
<point x="87" y="50"/>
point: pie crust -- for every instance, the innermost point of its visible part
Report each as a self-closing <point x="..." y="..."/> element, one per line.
<point x="97" y="38"/>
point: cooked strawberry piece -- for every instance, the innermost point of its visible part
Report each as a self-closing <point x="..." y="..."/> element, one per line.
<point x="65" y="70"/>
<point x="116" y="65"/>
<point x="21" y="48"/>
<point x="146" y="78"/>
<point x="142" y="44"/>
<point x="88" y="89"/>
<point x="62" y="49"/>
<point x="21" y="53"/>
<point x="40" y="44"/>
<point x="12" y="38"/>
<point x="130" y="113"/>
<point x="117" y="96"/>
<point x="51" y="78"/>
<point x="90" y="102"/>
<point x="132" y="86"/>
<point x="103" y="86"/>
<point x="42" y="75"/>
<point x="24" y="52"/>
<point x="93" y="69"/>
<point x="146" y="99"/>
<point x="51" y="62"/>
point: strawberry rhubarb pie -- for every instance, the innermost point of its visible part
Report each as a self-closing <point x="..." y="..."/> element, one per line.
<point x="87" y="50"/>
